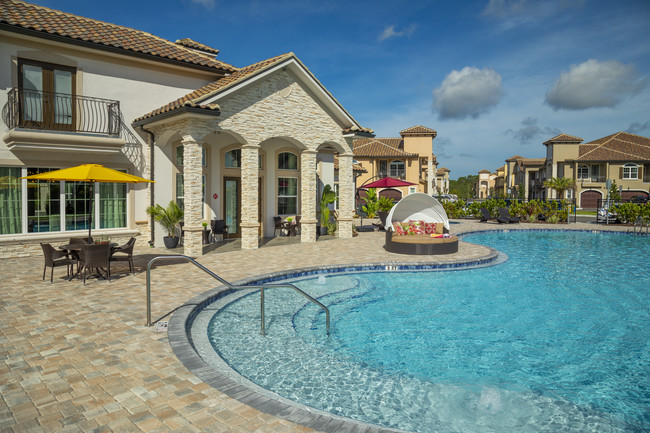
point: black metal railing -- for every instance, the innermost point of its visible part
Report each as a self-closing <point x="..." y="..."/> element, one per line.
<point x="33" y="109"/>
<point x="589" y="179"/>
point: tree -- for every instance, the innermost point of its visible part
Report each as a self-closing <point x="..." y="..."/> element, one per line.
<point x="560" y="184"/>
<point x="463" y="187"/>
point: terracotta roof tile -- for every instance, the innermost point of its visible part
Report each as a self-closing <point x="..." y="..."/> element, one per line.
<point x="418" y="130"/>
<point x="187" y="42"/>
<point x="514" y="158"/>
<point x="528" y="162"/>
<point x="380" y="147"/>
<point x="360" y="129"/>
<point x="28" y="16"/>
<point x="564" y="138"/>
<point x="621" y="146"/>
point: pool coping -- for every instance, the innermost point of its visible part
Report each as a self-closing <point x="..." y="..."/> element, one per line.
<point x="267" y="402"/>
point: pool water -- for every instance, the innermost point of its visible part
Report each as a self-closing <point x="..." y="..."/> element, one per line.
<point x="556" y="338"/>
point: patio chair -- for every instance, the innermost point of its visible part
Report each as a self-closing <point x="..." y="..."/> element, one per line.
<point x="503" y="213"/>
<point x="95" y="256"/>
<point x="54" y="258"/>
<point x="279" y="225"/>
<point x="485" y="217"/>
<point x="298" y="226"/>
<point x="123" y="253"/>
<point x="219" y="227"/>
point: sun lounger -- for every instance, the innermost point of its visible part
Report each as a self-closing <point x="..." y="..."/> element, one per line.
<point x="503" y="213"/>
<point x="485" y="217"/>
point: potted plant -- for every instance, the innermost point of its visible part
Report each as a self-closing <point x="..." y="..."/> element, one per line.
<point x="168" y="217"/>
<point x="328" y="196"/>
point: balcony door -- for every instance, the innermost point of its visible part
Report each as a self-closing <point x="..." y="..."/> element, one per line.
<point x="46" y="95"/>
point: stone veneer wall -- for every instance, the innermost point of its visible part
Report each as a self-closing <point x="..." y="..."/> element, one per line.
<point x="22" y="248"/>
<point x="274" y="107"/>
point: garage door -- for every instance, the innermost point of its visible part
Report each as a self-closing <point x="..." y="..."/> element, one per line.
<point x="394" y="194"/>
<point x="589" y="199"/>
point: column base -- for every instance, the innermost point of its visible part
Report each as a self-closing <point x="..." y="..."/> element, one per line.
<point x="193" y="241"/>
<point x="345" y="228"/>
<point x="308" y="231"/>
<point x="250" y="236"/>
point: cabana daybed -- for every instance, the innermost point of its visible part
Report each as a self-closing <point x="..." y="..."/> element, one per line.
<point x="418" y="224"/>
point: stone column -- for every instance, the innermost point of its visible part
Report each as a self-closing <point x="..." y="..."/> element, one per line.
<point x="308" y="196"/>
<point x="430" y="177"/>
<point x="250" y="224"/>
<point x="346" y="195"/>
<point x="192" y="190"/>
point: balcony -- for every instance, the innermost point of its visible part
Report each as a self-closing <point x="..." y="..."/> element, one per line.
<point x="40" y="120"/>
<point x="590" y="180"/>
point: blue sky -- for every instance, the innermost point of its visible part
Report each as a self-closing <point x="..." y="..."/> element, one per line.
<point x="495" y="78"/>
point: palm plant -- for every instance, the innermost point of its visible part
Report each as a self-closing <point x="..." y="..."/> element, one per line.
<point x="328" y="196"/>
<point x="560" y="184"/>
<point x="167" y="217"/>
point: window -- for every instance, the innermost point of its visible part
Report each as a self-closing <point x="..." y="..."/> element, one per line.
<point x="47" y="95"/>
<point x="595" y="173"/>
<point x="56" y="206"/>
<point x="233" y="158"/>
<point x="43" y="203"/>
<point x="583" y="172"/>
<point x="112" y="205"/>
<point x="179" y="156"/>
<point x="10" y="200"/>
<point x="287" y="195"/>
<point x="383" y="168"/>
<point x="287" y="161"/>
<point x="630" y="171"/>
<point x="397" y="169"/>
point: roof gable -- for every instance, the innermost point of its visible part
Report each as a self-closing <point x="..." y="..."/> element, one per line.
<point x="380" y="147"/>
<point x="419" y="130"/>
<point x="621" y="146"/>
<point x="564" y="138"/>
<point x="18" y="15"/>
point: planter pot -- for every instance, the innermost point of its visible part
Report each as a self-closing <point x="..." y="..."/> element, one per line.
<point x="171" y="242"/>
<point x="322" y="231"/>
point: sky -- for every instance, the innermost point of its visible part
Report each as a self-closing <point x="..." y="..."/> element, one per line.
<point x="494" y="78"/>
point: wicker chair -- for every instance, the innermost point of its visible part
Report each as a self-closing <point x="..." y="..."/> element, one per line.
<point x="95" y="256"/>
<point x="54" y="258"/>
<point x="118" y="254"/>
<point x="279" y="225"/>
<point x="219" y="227"/>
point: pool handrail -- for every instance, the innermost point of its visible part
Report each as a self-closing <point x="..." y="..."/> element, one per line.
<point x="231" y="286"/>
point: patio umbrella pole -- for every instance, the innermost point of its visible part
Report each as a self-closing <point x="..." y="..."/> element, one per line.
<point x="90" y="211"/>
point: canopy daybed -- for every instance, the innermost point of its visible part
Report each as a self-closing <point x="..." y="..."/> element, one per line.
<point x="418" y="224"/>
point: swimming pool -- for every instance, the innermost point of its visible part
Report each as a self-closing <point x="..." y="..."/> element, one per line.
<point x="554" y="339"/>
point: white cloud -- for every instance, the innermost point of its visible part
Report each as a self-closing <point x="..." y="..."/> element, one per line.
<point x="208" y="4"/>
<point x="530" y="130"/>
<point x="468" y="92"/>
<point x="594" y="84"/>
<point x="390" y="32"/>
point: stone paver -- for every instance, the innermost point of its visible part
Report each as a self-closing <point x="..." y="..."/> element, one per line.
<point x="78" y="357"/>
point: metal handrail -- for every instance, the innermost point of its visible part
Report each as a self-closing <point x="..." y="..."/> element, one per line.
<point x="231" y="286"/>
<point x="641" y="223"/>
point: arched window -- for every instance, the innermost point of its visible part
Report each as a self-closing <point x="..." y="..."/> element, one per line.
<point x="583" y="172"/>
<point x="397" y="169"/>
<point x="233" y="158"/>
<point x="287" y="161"/>
<point x="630" y="171"/>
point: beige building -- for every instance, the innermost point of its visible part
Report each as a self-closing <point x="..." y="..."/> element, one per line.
<point x="442" y="181"/>
<point x="409" y="157"/>
<point x="622" y="157"/>
<point x="241" y="144"/>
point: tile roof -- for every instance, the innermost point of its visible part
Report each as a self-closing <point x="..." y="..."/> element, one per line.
<point x="444" y="169"/>
<point x="380" y="147"/>
<point x="418" y="130"/>
<point x="564" y="138"/>
<point x="187" y="42"/>
<point x="532" y="161"/>
<point x="621" y="146"/>
<point x="514" y="158"/>
<point x="21" y="15"/>
<point x="355" y="129"/>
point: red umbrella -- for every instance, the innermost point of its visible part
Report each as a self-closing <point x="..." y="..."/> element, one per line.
<point x="386" y="182"/>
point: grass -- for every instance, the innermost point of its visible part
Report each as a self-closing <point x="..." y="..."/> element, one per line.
<point x="586" y="212"/>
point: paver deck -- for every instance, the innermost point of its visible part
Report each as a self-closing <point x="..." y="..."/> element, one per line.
<point x="78" y="358"/>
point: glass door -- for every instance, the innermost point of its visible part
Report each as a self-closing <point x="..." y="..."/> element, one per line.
<point x="231" y="205"/>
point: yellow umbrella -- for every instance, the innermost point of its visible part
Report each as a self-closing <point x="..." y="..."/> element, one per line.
<point x="88" y="173"/>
